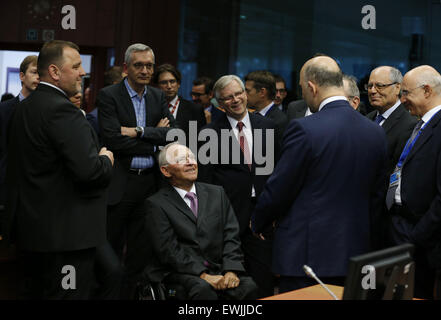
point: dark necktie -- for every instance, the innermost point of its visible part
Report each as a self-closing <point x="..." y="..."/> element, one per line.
<point x="244" y="144"/>
<point x="378" y="119"/>
<point x="193" y="202"/>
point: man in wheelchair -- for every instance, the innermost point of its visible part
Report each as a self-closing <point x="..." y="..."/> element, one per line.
<point x="194" y="233"/>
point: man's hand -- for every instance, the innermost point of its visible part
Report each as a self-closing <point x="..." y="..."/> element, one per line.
<point x="129" y="132"/>
<point x="207" y="116"/>
<point x="163" y="123"/>
<point x="214" y="281"/>
<point x="257" y="235"/>
<point x="231" y="280"/>
<point x="107" y="153"/>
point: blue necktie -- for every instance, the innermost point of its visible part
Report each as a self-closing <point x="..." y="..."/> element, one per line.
<point x="378" y="119"/>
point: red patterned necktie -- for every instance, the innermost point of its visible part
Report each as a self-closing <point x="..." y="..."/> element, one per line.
<point x="244" y="144"/>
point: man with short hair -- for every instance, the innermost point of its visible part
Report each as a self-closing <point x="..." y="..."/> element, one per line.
<point x="326" y="190"/>
<point x="56" y="201"/>
<point x="134" y="119"/>
<point x="242" y="180"/>
<point x="202" y="93"/>
<point x="384" y="88"/>
<point x="281" y="93"/>
<point x="414" y="193"/>
<point x="195" y="233"/>
<point x="168" y="79"/>
<point x="29" y="81"/>
<point x="261" y="91"/>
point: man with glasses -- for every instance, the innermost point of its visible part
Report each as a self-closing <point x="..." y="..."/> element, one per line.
<point x="134" y="119"/>
<point x="202" y="93"/>
<point x="240" y="181"/>
<point x="414" y="193"/>
<point x="168" y="79"/>
<point x="281" y="93"/>
<point x="384" y="95"/>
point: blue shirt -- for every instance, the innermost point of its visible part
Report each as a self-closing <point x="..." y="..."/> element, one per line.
<point x="140" y="111"/>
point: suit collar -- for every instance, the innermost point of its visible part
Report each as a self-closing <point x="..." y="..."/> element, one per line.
<point x="394" y="118"/>
<point x="48" y="87"/>
<point x="179" y="203"/>
<point x="330" y="100"/>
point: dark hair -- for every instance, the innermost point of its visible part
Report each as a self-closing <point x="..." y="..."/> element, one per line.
<point x="278" y="78"/>
<point x="263" y="79"/>
<point x="166" y="68"/>
<point x="52" y="53"/>
<point x="208" y="82"/>
<point x="324" y="77"/>
<point x="113" y="75"/>
<point x="29" y="60"/>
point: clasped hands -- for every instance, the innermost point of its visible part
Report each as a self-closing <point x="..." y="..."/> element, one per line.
<point x="131" y="132"/>
<point x="228" y="281"/>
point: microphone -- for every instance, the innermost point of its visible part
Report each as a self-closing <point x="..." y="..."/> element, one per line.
<point x="311" y="274"/>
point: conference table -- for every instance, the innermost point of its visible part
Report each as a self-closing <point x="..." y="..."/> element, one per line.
<point x="316" y="292"/>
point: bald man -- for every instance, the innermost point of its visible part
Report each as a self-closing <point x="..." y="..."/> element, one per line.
<point x="326" y="189"/>
<point x="414" y="195"/>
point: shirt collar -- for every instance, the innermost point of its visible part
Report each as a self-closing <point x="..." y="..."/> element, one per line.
<point x="183" y="192"/>
<point x="174" y="100"/>
<point x="246" y="121"/>
<point x="429" y="114"/>
<point x="51" y="85"/>
<point x="21" y="97"/>
<point x="389" y="111"/>
<point x="265" y="110"/>
<point x="331" y="99"/>
<point x="132" y="93"/>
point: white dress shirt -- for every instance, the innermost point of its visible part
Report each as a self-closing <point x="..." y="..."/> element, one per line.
<point x="183" y="192"/>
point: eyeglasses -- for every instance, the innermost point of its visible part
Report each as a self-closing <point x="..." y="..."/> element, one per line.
<point x="229" y="99"/>
<point x="378" y="86"/>
<point x="140" y="66"/>
<point x="280" y="90"/>
<point x="405" y="92"/>
<point x="165" y="82"/>
<point x="197" y="94"/>
<point x="184" y="159"/>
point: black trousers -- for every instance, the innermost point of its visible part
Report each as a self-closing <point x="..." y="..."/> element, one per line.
<point x="198" y="289"/>
<point x="125" y="228"/>
<point x="58" y="276"/>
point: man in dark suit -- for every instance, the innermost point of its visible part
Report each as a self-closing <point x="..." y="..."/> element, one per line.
<point x="414" y="191"/>
<point x="202" y="94"/>
<point x="168" y="79"/>
<point x="134" y="120"/>
<point x="325" y="192"/>
<point x="57" y="178"/>
<point x="243" y="178"/>
<point x="195" y="233"/>
<point x="281" y="93"/>
<point x="29" y="81"/>
<point x="261" y="91"/>
<point x="384" y="95"/>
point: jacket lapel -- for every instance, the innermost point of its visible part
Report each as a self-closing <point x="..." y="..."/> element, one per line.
<point x="393" y="119"/>
<point x="202" y="196"/>
<point x="126" y="101"/>
<point x="180" y="204"/>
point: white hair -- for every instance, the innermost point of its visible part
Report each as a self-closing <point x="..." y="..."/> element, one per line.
<point x="137" y="47"/>
<point x="225" y="81"/>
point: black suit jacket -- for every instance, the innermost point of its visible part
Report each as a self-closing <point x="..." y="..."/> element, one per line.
<point x="280" y="120"/>
<point x="6" y="109"/>
<point x="186" y="245"/>
<point x="398" y="127"/>
<point x="188" y="111"/>
<point x="56" y="180"/>
<point x="237" y="179"/>
<point x="115" y="110"/>
<point x="421" y="192"/>
<point x="296" y="109"/>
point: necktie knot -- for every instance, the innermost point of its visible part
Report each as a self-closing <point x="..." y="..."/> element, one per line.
<point x="379" y="118"/>
<point x="240" y="126"/>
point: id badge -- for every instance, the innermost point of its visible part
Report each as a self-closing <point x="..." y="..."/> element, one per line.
<point x="395" y="178"/>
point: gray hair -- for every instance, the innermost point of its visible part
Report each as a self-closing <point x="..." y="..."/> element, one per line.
<point x="137" y="47"/>
<point x="162" y="158"/>
<point x="394" y="74"/>
<point x="433" y="81"/>
<point x="225" y="81"/>
<point x="353" y="90"/>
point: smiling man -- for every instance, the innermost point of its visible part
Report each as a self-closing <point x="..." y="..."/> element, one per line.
<point x="57" y="179"/>
<point x="384" y="95"/>
<point x="195" y="233"/>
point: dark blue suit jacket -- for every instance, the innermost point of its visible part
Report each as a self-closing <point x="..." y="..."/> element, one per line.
<point x="325" y="192"/>
<point x="6" y="108"/>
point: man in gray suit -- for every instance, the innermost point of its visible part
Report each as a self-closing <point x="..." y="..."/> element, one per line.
<point x="195" y="233"/>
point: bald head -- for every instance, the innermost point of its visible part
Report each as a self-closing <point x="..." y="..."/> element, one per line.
<point x="320" y="78"/>
<point x="421" y="90"/>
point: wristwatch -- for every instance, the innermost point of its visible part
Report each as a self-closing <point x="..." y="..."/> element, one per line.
<point x="139" y="131"/>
